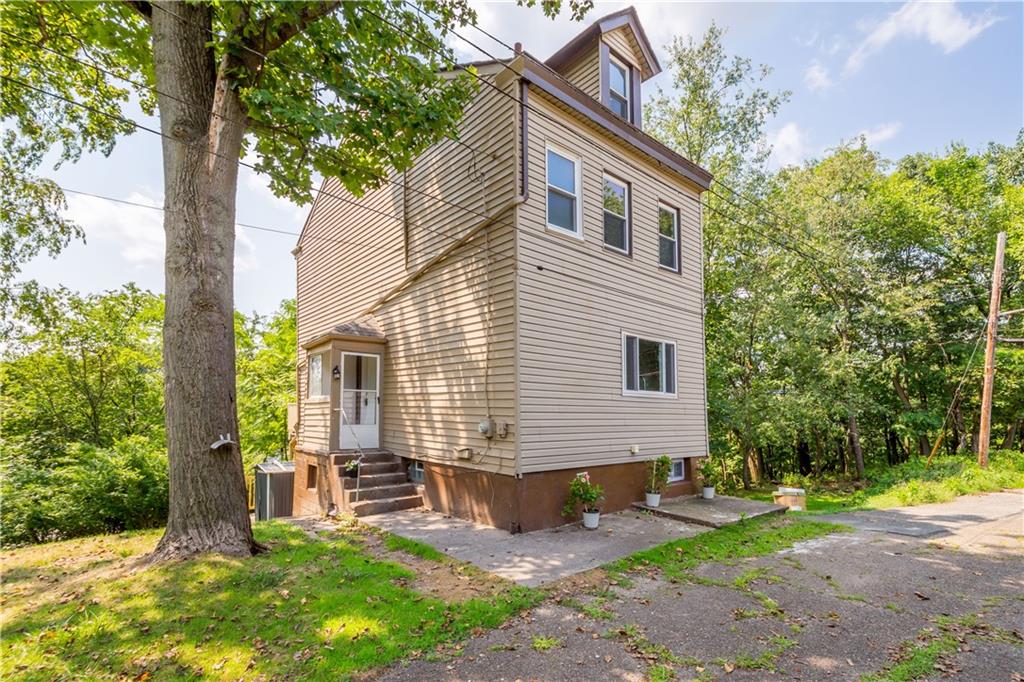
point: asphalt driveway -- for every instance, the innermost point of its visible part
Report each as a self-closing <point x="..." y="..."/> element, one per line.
<point x="837" y="608"/>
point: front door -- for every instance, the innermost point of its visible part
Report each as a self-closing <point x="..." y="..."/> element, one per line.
<point x="360" y="400"/>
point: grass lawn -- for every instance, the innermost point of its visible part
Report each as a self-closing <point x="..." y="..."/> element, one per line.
<point x="310" y="609"/>
<point x="909" y="484"/>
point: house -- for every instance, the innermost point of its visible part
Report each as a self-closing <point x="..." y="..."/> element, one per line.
<point x="523" y="304"/>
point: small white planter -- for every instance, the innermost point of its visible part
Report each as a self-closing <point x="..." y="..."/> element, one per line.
<point x="591" y="519"/>
<point x="708" y="492"/>
<point x="653" y="499"/>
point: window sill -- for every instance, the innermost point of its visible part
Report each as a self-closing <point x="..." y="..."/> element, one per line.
<point x="649" y="394"/>
<point x="617" y="251"/>
<point x="318" y="399"/>
<point x="562" y="232"/>
<point x="675" y="271"/>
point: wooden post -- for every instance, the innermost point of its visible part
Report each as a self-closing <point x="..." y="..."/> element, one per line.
<point x="985" y="429"/>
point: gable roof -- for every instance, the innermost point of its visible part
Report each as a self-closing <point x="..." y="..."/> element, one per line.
<point x="363" y="329"/>
<point x="624" y="17"/>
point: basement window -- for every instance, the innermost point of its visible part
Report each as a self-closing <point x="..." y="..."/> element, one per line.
<point x="649" y="366"/>
<point x="678" y="472"/>
<point x="310" y="477"/>
<point x="416" y="472"/>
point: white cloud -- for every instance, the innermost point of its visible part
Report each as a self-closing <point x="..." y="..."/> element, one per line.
<point x="789" y="145"/>
<point x="136" y="232"/>
<point x="881" y="133"/>
<point x="940" y="23"/>
<point x="816" y="77"/>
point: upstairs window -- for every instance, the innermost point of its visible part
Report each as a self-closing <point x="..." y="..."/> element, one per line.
<point x="616" y="214"/>
<point x="619" y="88"/>
<point x="563" y="192"/>
<point x="316" y="385"/>
<point x="649" y="366"/>
<point x="668" y="237"/>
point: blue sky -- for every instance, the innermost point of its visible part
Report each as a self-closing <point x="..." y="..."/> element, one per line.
<point x="912" y="77"/>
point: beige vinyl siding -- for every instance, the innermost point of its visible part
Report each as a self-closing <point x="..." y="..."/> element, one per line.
<point x="437" y="373"/>
<point x="572" y="314"/>
<point x="623" y="42"/>
<point x="585" y="74"/>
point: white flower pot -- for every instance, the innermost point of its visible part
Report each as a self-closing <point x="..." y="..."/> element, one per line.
<point x="591" y="519"/>
<point x="653" y="499"/>
<point x="708" y="492"/>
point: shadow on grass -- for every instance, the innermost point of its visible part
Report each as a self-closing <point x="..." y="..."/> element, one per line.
<point x="308" y="608"/>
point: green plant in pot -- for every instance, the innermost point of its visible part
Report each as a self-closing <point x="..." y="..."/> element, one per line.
<point x="658" y="470"/>
<point x="586" y="495"/>
<point x="707" y="471"/>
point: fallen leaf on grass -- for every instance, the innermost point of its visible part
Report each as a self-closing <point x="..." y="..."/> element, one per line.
<point x="921" y="596"/>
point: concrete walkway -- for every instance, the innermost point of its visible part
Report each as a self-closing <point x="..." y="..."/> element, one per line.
<point x="539" y="557"/>
<point x="989" y="519"/>
<point x="719" y="511"/>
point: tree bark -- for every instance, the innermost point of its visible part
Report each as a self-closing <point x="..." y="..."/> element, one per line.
<point x="858" y="454"/>
<point x="202" y="144"/>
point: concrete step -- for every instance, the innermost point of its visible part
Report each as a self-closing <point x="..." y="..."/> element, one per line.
<point x="388" y="504"/>
<point x="369" y="469"/>
<point x="375" y="480"/>
<point x="381" y="492"/>
<point x="373" y="455"/>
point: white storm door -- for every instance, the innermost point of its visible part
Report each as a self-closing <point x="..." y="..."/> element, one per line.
<point x="360" y="400"/>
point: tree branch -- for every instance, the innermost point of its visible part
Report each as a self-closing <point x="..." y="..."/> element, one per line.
<point x="142" y="7"/>
<point x="265" y="42"/>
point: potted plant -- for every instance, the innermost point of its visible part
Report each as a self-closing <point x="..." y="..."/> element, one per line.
<point x="658" y="470"/>
<point x="587" y="495"/>
<point x="707" y="470"/>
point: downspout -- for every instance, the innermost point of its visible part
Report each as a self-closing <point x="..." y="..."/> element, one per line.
<point x="523" y="151"/>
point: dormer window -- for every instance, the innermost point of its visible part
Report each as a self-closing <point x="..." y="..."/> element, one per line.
<point x="619" y="88"/>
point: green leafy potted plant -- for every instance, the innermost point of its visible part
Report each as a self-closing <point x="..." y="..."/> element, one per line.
<point x="707" y="470"/>
<point x="583" y="493"/>
<point x="658" y="470"/>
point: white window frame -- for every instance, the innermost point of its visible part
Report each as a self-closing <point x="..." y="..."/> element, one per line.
<point x="678" y="250"/>
<point x="682" y="477"/>
<point x="629" y="200"/>
<point x="627" y="76"/>
<point x="325" y="390"/>
<point x="578" y="167"/>
<point x="674" y="368"/>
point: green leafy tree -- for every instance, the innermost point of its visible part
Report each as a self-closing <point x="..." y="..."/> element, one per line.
<point x="352" y="91"/>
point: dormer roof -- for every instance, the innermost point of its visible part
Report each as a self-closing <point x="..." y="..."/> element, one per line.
<point x="625" y="19"/>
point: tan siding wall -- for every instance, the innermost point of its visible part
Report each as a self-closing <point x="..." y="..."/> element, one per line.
<point x="572" y="314"/>
<point x="585" y="74"/>
<point x="436" y="360"/>
<point x="622" y="41"/>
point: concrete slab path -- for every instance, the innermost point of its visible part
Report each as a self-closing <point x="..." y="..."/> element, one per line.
<point x="539" y="557"/>
<point x="835" y="608"/>
<point x="959" y="518"/>
<point x="719" y="511"/>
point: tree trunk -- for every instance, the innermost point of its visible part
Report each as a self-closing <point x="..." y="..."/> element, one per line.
<point x="1011" y="435"/>
<point x="803" y="454"/>
<point x="817" y="454"/>
<point x="208" y="509"/>
<point x="924" y="446"/>
<point x="858" y="455"/>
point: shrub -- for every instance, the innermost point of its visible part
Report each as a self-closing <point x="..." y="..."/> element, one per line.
<point x="583" y="493"/>
<point x="88" y="490"/>
<point x="658" y="470"/>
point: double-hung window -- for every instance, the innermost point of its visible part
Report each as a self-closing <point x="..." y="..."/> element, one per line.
<point x="618" y="87"/>
<point x="668" y="237"/>
<point x="563" y="192"/>
<point x="616" y="214"/>
<point x="649" y="366"/>
<point x="316" y="383"/>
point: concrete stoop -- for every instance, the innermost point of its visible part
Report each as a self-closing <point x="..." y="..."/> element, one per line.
<point x="383" y="485"/>
<point x="714" y="513"/>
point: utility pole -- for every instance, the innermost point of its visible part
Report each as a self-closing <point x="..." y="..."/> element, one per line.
<point x="985" y="429"/>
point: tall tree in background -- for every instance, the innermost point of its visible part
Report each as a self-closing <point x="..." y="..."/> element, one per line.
<point x="715" y="115"/>
<point x="350" y="90"/>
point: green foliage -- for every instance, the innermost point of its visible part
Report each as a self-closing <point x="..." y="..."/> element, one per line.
<point x="755" y="537"/>
<point x="658" y="470"/>
<point x="583" y="493"/>
<point x="307" y="609"/>
<point x="88" y="490"/>
<point x="82" y="410"/>
<point x="396" y="543"/>
<point x="265" y="363"/>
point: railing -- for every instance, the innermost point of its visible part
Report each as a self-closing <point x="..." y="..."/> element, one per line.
<point x="359" y="407"/>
